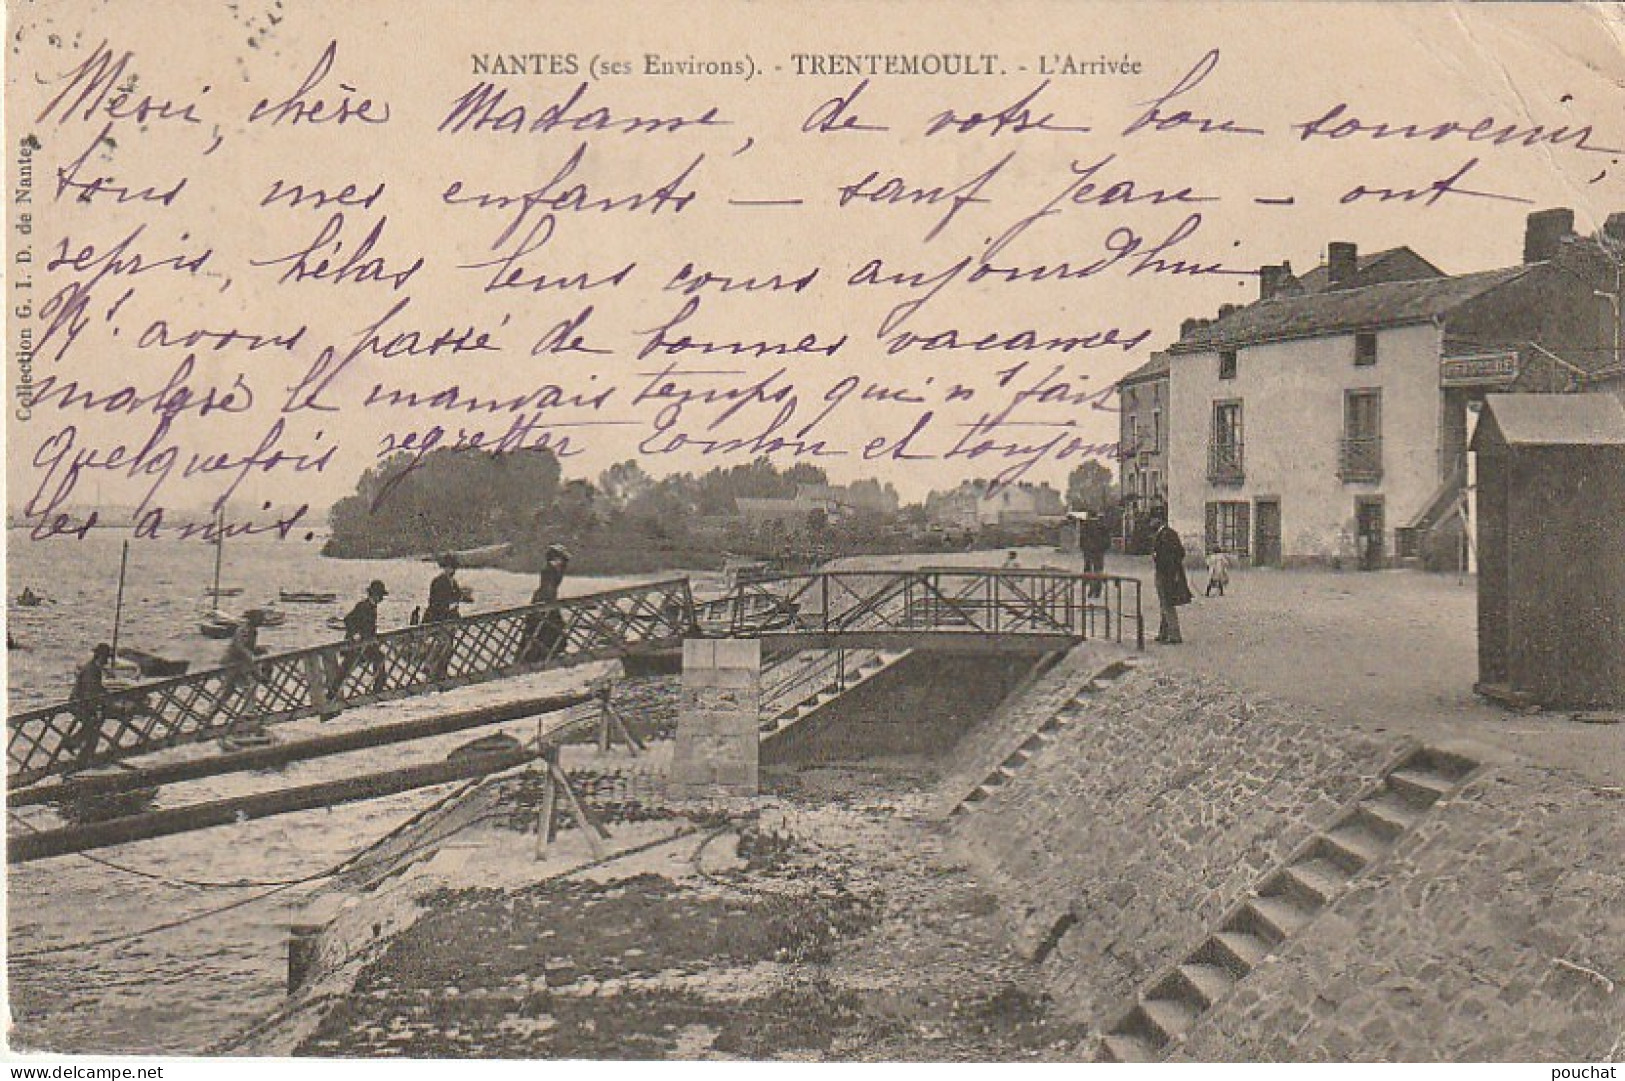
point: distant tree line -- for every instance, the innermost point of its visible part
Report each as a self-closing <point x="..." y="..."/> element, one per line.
<point x="449" y="500"/>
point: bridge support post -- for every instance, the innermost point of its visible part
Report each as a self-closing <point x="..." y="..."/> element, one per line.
<point x="718" y="727"/>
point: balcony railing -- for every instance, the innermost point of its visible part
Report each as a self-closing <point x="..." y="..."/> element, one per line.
<point x="1361" y="459"/>
<point x="1224" y="462"/>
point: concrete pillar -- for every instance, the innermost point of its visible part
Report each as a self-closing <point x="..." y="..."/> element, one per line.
<point x="718" y="733"/>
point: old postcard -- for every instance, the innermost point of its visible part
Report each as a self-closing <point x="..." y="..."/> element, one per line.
<point x="891" y="531"/>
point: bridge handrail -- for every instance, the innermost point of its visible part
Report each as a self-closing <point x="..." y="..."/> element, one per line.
<point x="941" y="600"/>
<point x="326" y="677"/>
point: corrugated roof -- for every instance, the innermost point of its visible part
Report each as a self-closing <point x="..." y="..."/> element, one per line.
<point x="1387" y="304"/>
<point x="1555" y="419"/>
<point x="1151" y="369"/>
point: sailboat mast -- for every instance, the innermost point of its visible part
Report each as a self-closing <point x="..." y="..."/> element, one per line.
<point x="219" y="551"/>
<point x="118" y="605"/>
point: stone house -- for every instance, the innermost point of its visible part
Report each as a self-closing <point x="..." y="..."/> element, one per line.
<point x="1142" y="442"/>
<point x="1328" y="421"/>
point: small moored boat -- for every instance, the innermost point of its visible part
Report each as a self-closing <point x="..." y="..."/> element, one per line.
<point x="488" y="556"/>
<point x="151" y="665"/>
<point x="296" y="596"/>
<point x="217" y="625"/>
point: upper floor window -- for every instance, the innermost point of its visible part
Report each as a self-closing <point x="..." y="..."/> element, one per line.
<point x="1225" y="445"/>
<point x="1361" y="458"/>
<point x="1227" y="364"/>
<point x="1365" y="348"/>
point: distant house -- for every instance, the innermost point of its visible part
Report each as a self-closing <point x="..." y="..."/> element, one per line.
<point x="759" y="512"/>
<point x="1142" y="441"/>
<point x="836" y="501"/>
<point x="1328" y="420"/>
<point x="972" y="507"/>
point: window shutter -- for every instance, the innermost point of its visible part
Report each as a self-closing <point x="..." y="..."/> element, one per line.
<point x="1212" y="531"/>
<point x="1243" y="528"/>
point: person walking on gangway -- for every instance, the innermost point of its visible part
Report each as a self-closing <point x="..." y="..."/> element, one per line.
<point x="445" y="600"/>
<point x="544" y="631"/>
<point x="89" y="690"/>
<point x="242" y="664"/>
<point x="361" y="640"/>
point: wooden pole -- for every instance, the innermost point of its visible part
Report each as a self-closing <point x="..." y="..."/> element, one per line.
<point x="589" y="826"/>
<point x="118" y="605"/>
<point x="219" y="553"/>
<point x="545" y="816"/>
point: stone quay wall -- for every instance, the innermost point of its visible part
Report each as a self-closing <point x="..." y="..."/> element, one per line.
<point x="1494" y="931"/>
<point x="922" y="705"/>
<point x="1125" y="836"/>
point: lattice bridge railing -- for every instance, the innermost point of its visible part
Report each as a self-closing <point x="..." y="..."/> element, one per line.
<point x="325" y="679"/>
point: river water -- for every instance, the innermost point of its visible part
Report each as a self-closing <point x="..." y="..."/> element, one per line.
<point x="83" y="975"/>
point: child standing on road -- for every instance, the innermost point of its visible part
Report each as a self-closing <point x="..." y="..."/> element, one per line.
<point x="1218" y="571"/>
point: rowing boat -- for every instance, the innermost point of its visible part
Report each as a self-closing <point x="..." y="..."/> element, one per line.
<point x="294" y="596"/>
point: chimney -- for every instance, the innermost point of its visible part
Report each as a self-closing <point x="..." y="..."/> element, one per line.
<point x="1544" y="233"/>
<point x="1614" y="227"/>
<point x="1342" y="263"/>
<point x="1271" y="278"/>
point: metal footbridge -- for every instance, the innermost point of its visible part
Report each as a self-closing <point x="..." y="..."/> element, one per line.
<point x="860" y="618"/>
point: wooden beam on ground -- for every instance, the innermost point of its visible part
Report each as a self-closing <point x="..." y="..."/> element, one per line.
<point x="46" y="844"/>
<point x="297" y="751"/>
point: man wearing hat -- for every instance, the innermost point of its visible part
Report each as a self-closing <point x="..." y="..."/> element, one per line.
<point x="444" y="593"/>
<point x="242" y="661"/>
<point x="1173" y="589"/>
<point x="445" y="596"/>
<point x="89" y="685"/>
<point x="544" y="632"/>
<point x="361" y="638"/>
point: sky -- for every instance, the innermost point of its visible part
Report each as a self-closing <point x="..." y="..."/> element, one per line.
<point x="743" y="180"/>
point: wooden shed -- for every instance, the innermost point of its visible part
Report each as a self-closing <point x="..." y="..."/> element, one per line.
<point x="1551" y="549"/>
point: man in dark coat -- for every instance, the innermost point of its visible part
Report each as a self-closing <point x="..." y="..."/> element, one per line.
<point x="445" y="596"/>
<point x="89" y="686"/>
<point x="361" y="636"/>
<point x="1093" y="540"/>
<point x="544" y="632"/>
<point x="1168" y="557"/>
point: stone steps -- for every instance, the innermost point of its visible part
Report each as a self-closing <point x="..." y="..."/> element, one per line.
<point x="1018" y="757"/>
<point x="859" y="673"/>
<point x="1284" y="902"/>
